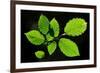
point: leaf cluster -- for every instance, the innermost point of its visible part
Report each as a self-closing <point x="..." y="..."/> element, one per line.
<point x="43" y="35"/>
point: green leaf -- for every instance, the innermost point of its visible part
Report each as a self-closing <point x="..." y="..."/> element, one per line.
<point x="39" y="54"/>
<point x="43" y="24"/>
<point x="35" y="37"/>
<point x="49" y="37"/>
<point x="68" y="47"/>
<point x="55" y="26"/>
<point x="75" y="27"/>
<point x="52" y="47"/>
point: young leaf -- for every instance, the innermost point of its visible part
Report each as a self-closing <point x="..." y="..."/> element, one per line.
<point x="49" y="37"/>
<point x="35" y="37"/>
<point x="68" y="47"/>
<point x="75" y="27"/>
<point x="43" y="24"/>
<point x="55" y="26"/>
<point x="52" y="47"/>
<point x="39" y="54"/>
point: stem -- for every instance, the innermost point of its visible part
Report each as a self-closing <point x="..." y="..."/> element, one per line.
<point x="45" y="43"/>
<point x="62" y="35"/>
<point x="57" y="38"/>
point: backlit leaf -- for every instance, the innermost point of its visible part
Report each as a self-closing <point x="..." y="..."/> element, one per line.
<point x="55" y="26"/>
<point x="52" y="47"/>
<point x="49" y="37"/>
<point x="43" y="24"/>
<point x="75" y="27"/>
<point x="35" y="37"/>
<point x="39" y="54"/>
<point x="68" y="47"/>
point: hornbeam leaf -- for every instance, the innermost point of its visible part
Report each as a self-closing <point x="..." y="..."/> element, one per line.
<point x="49" y="37"/>
<point x="35" y="37"/>
<point x="55" y="26"/>
<point x="39" y="54"/>
<point x="68" y="47"/>
<point x="75" y="27"/>
<point x="52" y="47"/>
<point x="43" y="24"/>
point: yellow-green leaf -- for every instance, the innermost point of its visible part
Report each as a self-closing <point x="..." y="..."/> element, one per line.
<point x="75" y="27"/>
<point x="52" y="47"/>
<point x="68" y="47"/>
<point x="55" y="26"/>
<point x="35" y="37"/>
<point x="39" y="54"/>
<point x="49" y="37"/>
<point x="43" y="24"/>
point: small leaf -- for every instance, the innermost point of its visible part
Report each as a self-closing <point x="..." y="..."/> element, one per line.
<point x="75" y="27"/>
<point x="55" y="26"/>
<point x="43" y="24"/>
<point x="52" y="47"/>
<point x="49" y="37"/>
<point x="39" y="54"/>
<point x="35" y="37"/>
<point x="68" y="47"/>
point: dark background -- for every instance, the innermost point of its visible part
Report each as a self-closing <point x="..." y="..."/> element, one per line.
<point x="29" y="21"/>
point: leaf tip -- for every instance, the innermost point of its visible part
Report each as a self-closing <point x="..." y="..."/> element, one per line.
<point x="54" y="18"/>
<point x="25" y="33"/>
<point x="41" y="14"/>
<point x="78" y="54"/>
<point x="50" y="53"/>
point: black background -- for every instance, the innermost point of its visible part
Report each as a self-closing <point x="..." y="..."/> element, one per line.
<point x="29" y="21"/>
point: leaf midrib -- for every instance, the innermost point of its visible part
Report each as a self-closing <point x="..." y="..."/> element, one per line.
<point x="36" y="37"/>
